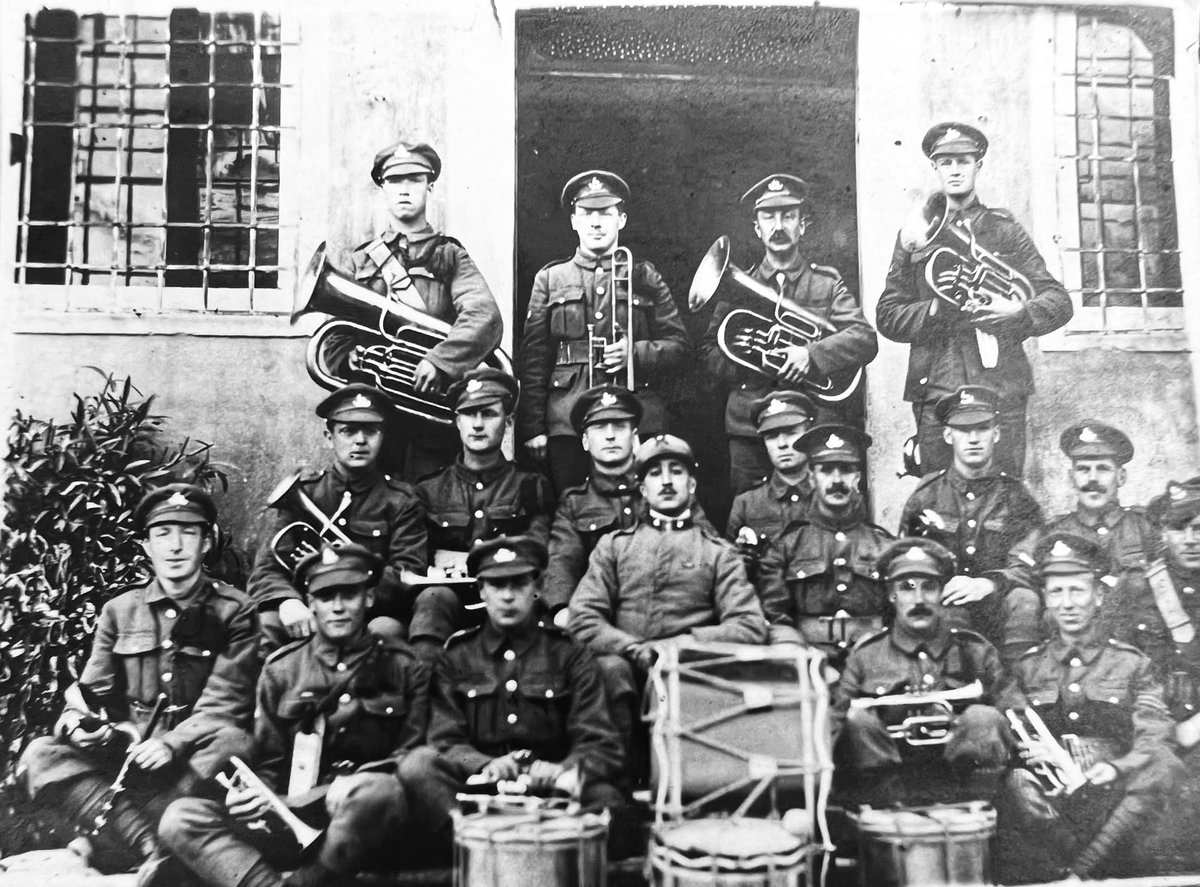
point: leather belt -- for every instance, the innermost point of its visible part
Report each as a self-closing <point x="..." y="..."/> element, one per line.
<point x="574" y="351"/>
<point x="839" y="631"/>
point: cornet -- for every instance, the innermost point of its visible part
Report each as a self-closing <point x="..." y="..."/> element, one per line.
<point x="1062" y="773"/>
<point x="621" y="274"/>
<point x="299" y="538"/>
<point x="244" y="777"/>
<point x="932" y="713"/>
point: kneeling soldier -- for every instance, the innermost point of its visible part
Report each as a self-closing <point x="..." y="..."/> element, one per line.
<point x="514" y="685"/>
<point x="1104" y="692"/>
<point x="182" y="636"/>
<point x="337" y="713"/>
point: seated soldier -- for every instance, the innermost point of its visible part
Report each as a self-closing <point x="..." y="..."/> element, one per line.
<point x="668" y="576"/>
<point x="480" y="496"/>
<point x="337" y="713"/>
<point x="918" y="658"/>
<point x="1105" y="693"/>
<point x="514" y="688"/>
<point x="182" y="636"/>
<point x="361" y="504"/>
<point x="759" y="515"/>
<point x="820" y="576"/>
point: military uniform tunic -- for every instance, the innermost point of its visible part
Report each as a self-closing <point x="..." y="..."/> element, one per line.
<point x="769" y="507"/>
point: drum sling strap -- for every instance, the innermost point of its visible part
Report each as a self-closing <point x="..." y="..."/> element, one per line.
<point x="1166" y="598"/>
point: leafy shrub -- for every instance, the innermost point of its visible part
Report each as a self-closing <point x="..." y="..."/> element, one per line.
<point x="68" y="542"/>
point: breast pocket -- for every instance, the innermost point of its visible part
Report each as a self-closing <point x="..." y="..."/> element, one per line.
<point x="372" y="534"/>
<point x="477" y="695"/>
<point x="643" y="316"/>
<point x="563" y="378"/>
<point x="545" y="704"/>
<point x="566" y="311"/>
<point x="138" y="653"/>
<point x="509" y="519"/>
<point x="448" y="530"/>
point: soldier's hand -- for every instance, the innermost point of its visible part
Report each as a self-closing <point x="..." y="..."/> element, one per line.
<point x="245" y="804"/>
<point x="151" y="754"/>
<point x="81" y="737"/>
<point x="614" y="356"/>
<point x="961" y="590"/>
<point x="1036" y="753"/>
<point x="997" y="312"/>
<point x="562" y="619"/>
<point x="297" y="619"/>
<point x="536" y="447"/>
<point x="504" y="767"/>
<point x="1100" y="773"/>
<point x="795" y="363"/>
<point x="543" y="774"/>
<point x="426" y="378"/>
<point x="643" y="655"/>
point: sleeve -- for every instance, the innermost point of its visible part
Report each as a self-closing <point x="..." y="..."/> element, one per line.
<point x="448" y="730"/>
<point x="1025" y="519"/>
<point x="718" y="365"/>
<point x="1050" y="307"/>
<point x="228" y="695"/>
<point x="739" y="614"/>
<point x="1018" y="570"/>
<point x="477" y="327"/>
<point x="543" y="509"/>
<point x="412" y="734"/>
<point x="595" y="745"/>
<point x="1003" y="691"/>
<point x="667" y="344"/>
<point x="1153" y="726"/>
<point x="592" y="605"/>
<point x="854" y="344"/>
<point x="849" y="686"/>
<point x="737" y="517"/>
<point x="408" y="549"/>
<point x="904" y="314"/>
<point x="270" y="735"/>
<point x="101" y="678"/>
<point x="534" y="362"/>
<point x="772" y="587"/>
<point x="567" y="559"/>
<point x="910" y="522"/>
<point x="270" y="584"/>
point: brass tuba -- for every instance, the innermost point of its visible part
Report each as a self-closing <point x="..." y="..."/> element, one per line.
<point x="398" y="337"/>
<point x="300" y="538"/>
<point x="755" y="340"/>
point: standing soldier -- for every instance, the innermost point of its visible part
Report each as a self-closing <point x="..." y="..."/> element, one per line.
<point x="780" y="220"/>
<point x="182" y="636"/>
<point x="586" y="301"/>
<point x="361" y="504"/>
<point x="946" y="351"/>
<point x="974" y="509"/>
<point x="1105" y="693"/>
<point x="480" y="496"/>
<point x="820" y="576"/>
<point x="760" y="514"/>
<point x="336" y="715"/>
<point x="431" y="272"/>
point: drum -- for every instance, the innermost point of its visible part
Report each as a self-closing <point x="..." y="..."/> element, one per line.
<point x="736" y="727"/>
<point x="530" y="849"/>
<point x="926" y="846"/>
<point x="726" y="853"/>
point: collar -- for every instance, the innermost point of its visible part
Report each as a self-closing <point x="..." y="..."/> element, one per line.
<point x="519" y="640"/>
<point x="357" y="483"/>
<point x="330" y="654"/>
<point x="766" y="272"/>
<point x="972" y="207"/>
<point x="913" y="644"/>
<point x="820" y="517"/>
<point x="971" y="485"/>
<point x="486" y="476"/>
<point x="155" y="592"/>
<point x="662" y="522"/>
<point x="779" y="489"/>
<point x="600" y="263"/>
<point x="1110" y="517"/>
<point x="613" y="485"/>
<point x="1087" y="648"/>
<point x="392" y="236"/>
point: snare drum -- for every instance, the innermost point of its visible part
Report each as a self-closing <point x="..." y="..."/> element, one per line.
<point x="926" y="846"/>
<point x="530" y="849"/>
<point x="726" y="853"/>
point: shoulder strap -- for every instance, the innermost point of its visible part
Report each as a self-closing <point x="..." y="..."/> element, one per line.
<point x="395" y="274"/>
<point x="1166" y="598"/>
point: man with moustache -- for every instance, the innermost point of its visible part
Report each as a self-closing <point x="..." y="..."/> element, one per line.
<point x="977" y="511"/>
<point x="946" y="351"/>
<point x="337" y="714"/>
<point x="371" y="508"/>
<point x="760" y="514"/>
<point x="1106" y="694"/>
<point x="667" y="576"/>
<point x="182" y="638"/>
<point x="480" y="496"/>
<point x="430" y="272"/>
<point x="921" y="654"/>
<point x="780" y="207"/>
<point x="820" y="576"/>
<point x="550" y="721"/>
<point x="578" y="299"/>
<point x="1098" y="455"/>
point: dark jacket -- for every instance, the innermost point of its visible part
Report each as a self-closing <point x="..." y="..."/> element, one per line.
<point x="769" y="507"/>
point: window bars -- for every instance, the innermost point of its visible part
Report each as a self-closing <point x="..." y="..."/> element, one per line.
<point x="151" y="153"/>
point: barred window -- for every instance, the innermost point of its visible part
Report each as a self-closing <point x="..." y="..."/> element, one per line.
<point x="151" y="149"/>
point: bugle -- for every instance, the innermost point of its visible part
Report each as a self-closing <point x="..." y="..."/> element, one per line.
<point x="1059" y="774"/>
<point x="304" y="833"/>
<point x="933" y="712"/>
<point x="299" y="538"/>
<point x="620" y="275"/>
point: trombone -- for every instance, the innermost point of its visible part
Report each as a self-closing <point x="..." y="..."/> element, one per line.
<point x="621" y="273"/>
<point x="299" y="538"/>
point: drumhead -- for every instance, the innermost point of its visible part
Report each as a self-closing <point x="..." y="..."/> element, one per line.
<point x="530" y="828"/>
<point x="944" y="819"/>
<point x="730" y="839"/>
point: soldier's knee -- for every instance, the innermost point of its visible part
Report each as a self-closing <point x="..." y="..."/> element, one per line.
<point x="981" y="717"/>
<point x="387" y="628"/>
<point x="861" y="721"/>
<point x="419" y="766"/>
<point x="183" y="818"/>
<point x="616" y="674"/>
<point x="437" y="598"/>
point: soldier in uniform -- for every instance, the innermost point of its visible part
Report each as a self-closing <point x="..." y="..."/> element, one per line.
<point x="921" y="654"/>
<point x="667" y="576"/>
<point x="430" y="272"/>
<point x="379" y="511"/>
<point x="337" y="714"/>
<point x="779" y="204"/>
<point x="945" y="350"/>
<point x="515" y="694"/>
<point x="976" y="510"/>
<point x="577" y="299"/>
<point x="1104" y="692"/>
<point x="606" y="418"/>
<point x="1098" y="454"/>
<point x="480" y="496"/>
<point x="820" y="576"/>
<point x="181" y="635"/>
<point x="759" y="515"/>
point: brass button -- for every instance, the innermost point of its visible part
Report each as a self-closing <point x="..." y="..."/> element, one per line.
<point x="341" y="666"/>
<point x="166" y="676"/>
<point x="549" y="694"/>
<point x="971" y="523"/>
<point x="928" y="679"/>
<point x="1073" y="715"/>
<point x="1074" y="688"/>
<point x="509" y="655"/>
<point x="971" y="497"/>
<point x="1076" y="662"/>
<point x="479" y="485"/>
<point x="1102" y="531"/>
<point x="970" y="549"/>
<point x="479" y="513"/>
<point x="170" y="613"/>
<point x="510" y="686"/>
<point x="166" y="645"/>
<point x="344" y="699"/>
<point x="512" y="718"/>
<point x="472" y="693"/>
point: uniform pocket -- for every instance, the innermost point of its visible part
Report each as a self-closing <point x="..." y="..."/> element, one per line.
<point x="566" y="309"/>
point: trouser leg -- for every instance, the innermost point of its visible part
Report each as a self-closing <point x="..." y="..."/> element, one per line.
<point x="1010" y="450"/>
<point x="431" y="782"/>
<point x="437" y="613"/>
<point x="199" y="834"/>
<point x="1023" y="625"/>
<point x="121" y="834"/>
<point x="748" y="463"/>
<point x="622" y="691"/>
<point x="366" y="812"/>
<point x="864" y="742"/>
<point x="935" y="453"/>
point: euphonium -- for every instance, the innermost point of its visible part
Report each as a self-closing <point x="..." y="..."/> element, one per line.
<point x="300" y="538"/>
<point x="620" y="276"/>
<point x="398" y="336"/>
<point x="756" y="341"/>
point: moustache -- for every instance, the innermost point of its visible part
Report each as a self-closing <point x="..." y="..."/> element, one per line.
<point x="839" y="488"/>
<point x="1092" y="487"/>
<point x="920" y="610"/>
<point x="779" y="237"/>
<point x="666" y="490"/>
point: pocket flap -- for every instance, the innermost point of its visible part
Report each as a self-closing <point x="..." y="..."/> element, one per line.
<point x="133" y="643"/>
<point x="564" y="377"/>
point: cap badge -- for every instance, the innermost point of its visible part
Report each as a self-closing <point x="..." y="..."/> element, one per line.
<point x="1177" y="492"/>
<point x="595" y="184"/>
<point x="361" y="401"/>
<point x="916" y="554"/>
<point x="505" y="556"/>
<point x="967" y="397"/>
<point x="330" y="556"/>
<point x="474" y="385"/>
<point x="775" y="406"/>
<point x="774" y="185"/>
<point x="834" y="442"/>
<point x="1088" y="436"/>
<point x="952" y="133"/>
<point x="607" y="399"/>
<point x="178" y="498"/>
<point x="1061" y="549"/>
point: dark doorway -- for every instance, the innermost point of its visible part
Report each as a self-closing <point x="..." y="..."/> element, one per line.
<point x="691" y="106"/>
